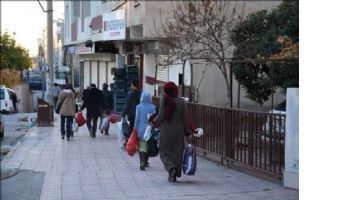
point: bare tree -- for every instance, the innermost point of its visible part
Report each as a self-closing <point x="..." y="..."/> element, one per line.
<point x="201" y="30"/>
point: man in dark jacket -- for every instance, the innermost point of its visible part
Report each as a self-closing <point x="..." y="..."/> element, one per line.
<point x="107" y="104"/>
<point x="93" y="104"/>
<point x="133" y="99"/>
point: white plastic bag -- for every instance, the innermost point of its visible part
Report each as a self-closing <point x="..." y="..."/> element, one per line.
<point x="104" y="124"/>
<point x="120" y="138"/>
<point x="74" y="126"/>
<point x="199" y="132"/>
<point x="147" y="133"/>
<point x="119" y="129"/>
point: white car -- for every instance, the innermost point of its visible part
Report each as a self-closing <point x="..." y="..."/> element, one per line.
<point x="6" y="103"/>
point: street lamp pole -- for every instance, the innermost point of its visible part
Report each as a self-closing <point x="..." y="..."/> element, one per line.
<point x="50" y="48"/>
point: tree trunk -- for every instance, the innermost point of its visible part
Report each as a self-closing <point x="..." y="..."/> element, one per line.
<point x="226" y="79"/>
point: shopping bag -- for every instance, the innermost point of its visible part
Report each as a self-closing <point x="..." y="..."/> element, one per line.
<point x="75" y="126"/>
<point x="189" y="160"/>
<point x="104" y="124"/>
<point x="80" y="119"/>
<point x="125" y="128"/>
<point x="148" y="133"/>
<point x="131" y="146"/>
<point x="153" y="149"/>
<point x="113" y="118"/>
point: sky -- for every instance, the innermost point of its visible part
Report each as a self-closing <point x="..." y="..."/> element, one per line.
<point x="27" y="20"/>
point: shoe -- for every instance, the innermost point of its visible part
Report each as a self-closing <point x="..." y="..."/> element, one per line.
<point x="62" y="137"/>
<point x="68" y="138"/>
<point x="92" y="134"/>
<point x="172" y="175"/>
<point x="72" y="135"/>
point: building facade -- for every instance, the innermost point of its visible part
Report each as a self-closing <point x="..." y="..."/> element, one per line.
<point x="101" y="35"/>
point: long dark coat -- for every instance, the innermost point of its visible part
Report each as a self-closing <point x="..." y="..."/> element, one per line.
<point x="172" y="143"/>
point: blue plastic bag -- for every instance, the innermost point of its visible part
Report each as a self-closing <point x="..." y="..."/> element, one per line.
<point x="189" y="162"/>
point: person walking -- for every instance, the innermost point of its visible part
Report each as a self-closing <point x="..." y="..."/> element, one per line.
<point x="66" y="101"/>
<point x="56" y="92"/>
<point x="133" y="99"/>
<point x="92" y="103"/>
<point x="172" y="117"/>
<point x="107" y="105"/>
<point x="143" y="111"/>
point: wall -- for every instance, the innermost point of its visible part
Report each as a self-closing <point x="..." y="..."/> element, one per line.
<point x="213" y="90"/>
<point x="291" y="174"/>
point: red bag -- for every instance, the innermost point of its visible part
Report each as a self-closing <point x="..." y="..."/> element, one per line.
<point x="80" y="119"/>
<point x="131" y="146"/>
<point x="113" y="118"/>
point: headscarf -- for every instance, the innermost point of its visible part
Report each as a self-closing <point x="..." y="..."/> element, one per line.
<point x="67" y="86"/>
<point x="170" y="91"/>
<point x="146" y="98"/>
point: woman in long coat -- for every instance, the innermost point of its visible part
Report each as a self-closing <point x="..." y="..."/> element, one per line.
<point x="172" y="117"/>
<point x="67" y="110"/>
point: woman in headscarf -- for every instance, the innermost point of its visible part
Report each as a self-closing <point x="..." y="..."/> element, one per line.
<point x="172" y="117"/>
<point x="66" y="101"/>
<point x="143" y="111"/>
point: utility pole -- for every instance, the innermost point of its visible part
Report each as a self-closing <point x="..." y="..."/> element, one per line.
<point x="50" y="48"/>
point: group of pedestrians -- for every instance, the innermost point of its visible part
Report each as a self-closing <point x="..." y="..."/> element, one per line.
<point x="170" y="116"/>
<point x="97" y="103"/>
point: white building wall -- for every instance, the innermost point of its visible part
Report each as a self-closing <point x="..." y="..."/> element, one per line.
<point x="110" y="76"/>
<point x="291" y="174"/>
<point x="86" y="74"/>
<point x="102" y="74"/>
<point x="148" y="70"/>
<point x="94" y="72"/>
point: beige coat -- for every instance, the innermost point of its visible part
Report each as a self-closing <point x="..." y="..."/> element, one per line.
<point x="68" y="106"/>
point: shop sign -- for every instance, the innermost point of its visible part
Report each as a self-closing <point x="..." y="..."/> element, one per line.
<point x="113" y="25"/>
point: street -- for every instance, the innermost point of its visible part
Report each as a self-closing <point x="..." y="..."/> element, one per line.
<point x="96" y="168"/>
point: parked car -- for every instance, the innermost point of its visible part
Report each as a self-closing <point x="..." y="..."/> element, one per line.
<point x="7" y="100"/>
<point x="2" y="126"/>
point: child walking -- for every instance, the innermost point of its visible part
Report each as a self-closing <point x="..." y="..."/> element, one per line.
<point x="143" y="111"/>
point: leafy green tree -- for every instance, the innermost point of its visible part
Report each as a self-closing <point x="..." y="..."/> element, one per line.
<point x="13" y="56"/>
<point x="264" y="36"/>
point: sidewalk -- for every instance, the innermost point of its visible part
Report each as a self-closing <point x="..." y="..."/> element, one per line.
<point x="96" y="168"/>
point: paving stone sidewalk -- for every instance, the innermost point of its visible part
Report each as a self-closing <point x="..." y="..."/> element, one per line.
<point x="96" y="168"/>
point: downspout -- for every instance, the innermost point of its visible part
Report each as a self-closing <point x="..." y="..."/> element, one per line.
<point x="199" y="82"/>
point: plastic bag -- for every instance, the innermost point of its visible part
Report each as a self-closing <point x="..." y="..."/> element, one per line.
<point x="120" y="137"/>
<point x="153" y="149"/>
<point x="125" y="128"/>
<point x="80" y="119"/>
<point x="104" y="124"/>
<point x="189" y="161"/>
<point x="75" y="126"/>
<point x="147" y="133"/>
<point x="113" y="118"/>
<point x="199" y="132"/>
<point x="131" y="146"/>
